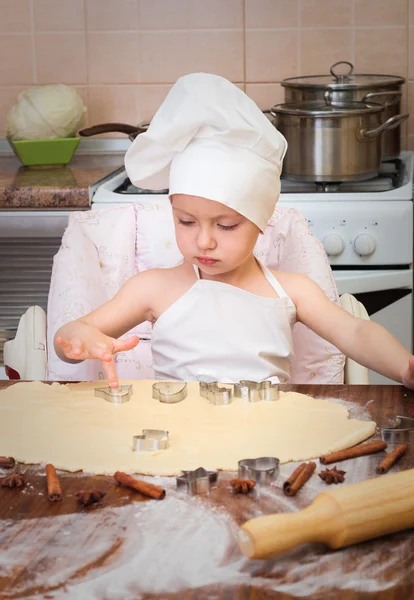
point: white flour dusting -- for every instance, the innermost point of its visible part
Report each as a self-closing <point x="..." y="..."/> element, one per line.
<point x="183" y="543"/>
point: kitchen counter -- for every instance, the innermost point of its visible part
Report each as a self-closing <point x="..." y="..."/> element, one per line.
<point x="185" y="547"/>
<point x="53" y="187"/>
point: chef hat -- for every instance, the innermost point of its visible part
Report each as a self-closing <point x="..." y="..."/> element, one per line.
<point x="209" y="139"/>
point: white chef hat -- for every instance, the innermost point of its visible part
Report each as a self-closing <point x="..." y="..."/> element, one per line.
<point x="209" y="139"/>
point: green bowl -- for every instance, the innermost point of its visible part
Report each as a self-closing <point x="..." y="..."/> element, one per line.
<point x="45" y="152"/>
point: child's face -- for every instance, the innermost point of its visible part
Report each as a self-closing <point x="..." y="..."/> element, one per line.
<point x="211" y="235"/>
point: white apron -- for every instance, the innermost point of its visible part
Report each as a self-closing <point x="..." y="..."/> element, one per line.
<point x="218" y="332"/>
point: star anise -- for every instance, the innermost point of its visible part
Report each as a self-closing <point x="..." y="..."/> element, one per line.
<point x="333" y="475"/>
<point x="12" y="481"/>
<point x="242" y="486"/>
<point x="86" y="498"/>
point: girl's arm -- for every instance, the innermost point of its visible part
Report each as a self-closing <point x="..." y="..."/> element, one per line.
<point x="96" y="334"/>
<point x="364" y="341"/>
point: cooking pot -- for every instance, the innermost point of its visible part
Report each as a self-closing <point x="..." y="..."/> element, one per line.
<point x="332" y="141"/>
<point x="131" y="130"/>
<point x="384" y="89"/>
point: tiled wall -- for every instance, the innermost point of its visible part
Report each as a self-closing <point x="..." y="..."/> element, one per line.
<point x="123" y="55"/>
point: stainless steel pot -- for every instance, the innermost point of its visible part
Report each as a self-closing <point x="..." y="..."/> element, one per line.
<point x="350" y="87"/>
<point x="332" y="141"/>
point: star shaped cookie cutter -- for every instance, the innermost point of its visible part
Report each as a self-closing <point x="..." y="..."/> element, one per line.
<point x="169" y="392"/>
<point x="401" y="433"/>
<point x="263" y="470"/>
<point x="198" y="481"/>
<point x="118" y="395"/>
<point x="254" y="391"/>
<point x="151" y="440"/>
<point x="215" y="394"/>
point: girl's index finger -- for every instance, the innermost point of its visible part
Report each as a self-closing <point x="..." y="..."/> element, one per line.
<point x="110" y="372"/>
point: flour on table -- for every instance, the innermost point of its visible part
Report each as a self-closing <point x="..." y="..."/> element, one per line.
<point x="68" y="426"/>
<point x="178" y="544"/>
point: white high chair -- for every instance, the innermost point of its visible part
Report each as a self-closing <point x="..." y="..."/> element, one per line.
<point x="101" y="249"/>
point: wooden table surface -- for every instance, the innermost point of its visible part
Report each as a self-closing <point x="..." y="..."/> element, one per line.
<point x="182" y="547"/>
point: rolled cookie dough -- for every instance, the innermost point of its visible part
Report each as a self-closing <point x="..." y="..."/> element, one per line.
<point x="67" y="426"/>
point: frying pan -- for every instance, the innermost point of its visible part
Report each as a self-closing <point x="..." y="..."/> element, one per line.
<point x="131" y="130"/>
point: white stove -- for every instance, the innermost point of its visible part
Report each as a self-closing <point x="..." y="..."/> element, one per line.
<point x="366" y="228"/>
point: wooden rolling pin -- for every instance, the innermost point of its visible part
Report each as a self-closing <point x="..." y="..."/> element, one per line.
<point x="351" y="514"/>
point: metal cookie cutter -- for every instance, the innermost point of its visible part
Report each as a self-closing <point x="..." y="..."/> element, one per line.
<point x="151" y="440"/>
<point x="263" y="470"/>
<point x="254" y="391"/>
<point x="117" y="395"/>
<point x="169" y="392"/>
<point x="215" y="394"/>
<point x="198" y="481"/>
<point x="401" y="433"/>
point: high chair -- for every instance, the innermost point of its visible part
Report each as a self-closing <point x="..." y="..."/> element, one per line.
<point x="100" y="250"/>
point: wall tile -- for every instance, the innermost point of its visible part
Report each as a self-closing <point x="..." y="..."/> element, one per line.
<point x="113" y="57"/>
<point x="150" y="99"/>
<point x="107" y="15"/>
<point x="411" y="53"/>
<point x="271" y="14"/>
<point x="15" y="16"/>
<point x="8" y="97"/>
<point x="381" y="12"/>
<point x="58" y="15"/>
<point x="411" y="13"/>
<point x="18" y="68"/>
<point x="325" y="13"/>
<point x="190" y="14"/>
<point x="61" y="58"/>
<point x="381" y="51"/>
<point x="265" y="95"/>
<point x="321" y="48"/>
<point x="271" y="55"/>
<point x="219" y="52"/>
<point x="167" y="55"/>
<point x="117" y="103"/>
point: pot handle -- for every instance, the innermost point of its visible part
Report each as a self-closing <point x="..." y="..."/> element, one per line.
<point x="397" y="95"/>
<point x="391" y="123"/>
<point x="342" y="76"/>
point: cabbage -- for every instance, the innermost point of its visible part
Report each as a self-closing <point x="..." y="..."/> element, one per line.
<point x="45" y="112"/>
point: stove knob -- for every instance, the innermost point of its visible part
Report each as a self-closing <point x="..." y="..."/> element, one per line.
<point x="333" y="244"/>
<point x="364" y="244"/>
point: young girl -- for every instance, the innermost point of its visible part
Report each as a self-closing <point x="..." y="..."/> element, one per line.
<point x="220" y="315"/>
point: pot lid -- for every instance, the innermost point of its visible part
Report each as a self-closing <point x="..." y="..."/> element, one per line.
<point x="324" y="108"/>
<point x="343" y="81"/>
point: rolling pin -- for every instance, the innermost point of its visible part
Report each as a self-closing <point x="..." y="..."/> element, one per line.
<point x="338" y="518"/>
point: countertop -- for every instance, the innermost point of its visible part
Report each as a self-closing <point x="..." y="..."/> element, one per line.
<point x="183" y="547"/>
<point x="49" y="187"/>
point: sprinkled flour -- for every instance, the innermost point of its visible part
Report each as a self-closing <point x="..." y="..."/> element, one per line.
<point x="183" y="543"/>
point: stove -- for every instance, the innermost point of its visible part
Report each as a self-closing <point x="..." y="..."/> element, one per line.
<point x="366" y="228"/>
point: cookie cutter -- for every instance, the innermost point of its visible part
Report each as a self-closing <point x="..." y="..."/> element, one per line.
<point x="198" y="481"/>
<point x="400" y="433"/>
<point x="215" y="394"/>
<point x="151" y="440"/>
<point x="118" y="395"/>
<point x="169" y="392"/>
<point x="254" y="391"/>
<point x="263" y="470"/>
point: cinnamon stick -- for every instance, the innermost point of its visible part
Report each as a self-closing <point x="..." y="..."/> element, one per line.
<point x="391" y="459"/>
<point x="301" y="478"/>
<point x="294" y="475"/>
<point x="54" y="490"/>
<point x="148" y="489"/>
<point x="7" y="462"/>
<point x="354" y="452"/>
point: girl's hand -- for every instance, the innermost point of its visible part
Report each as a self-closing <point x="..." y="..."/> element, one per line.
<point x="97" y="346"/>
<point x="408" y="375"/>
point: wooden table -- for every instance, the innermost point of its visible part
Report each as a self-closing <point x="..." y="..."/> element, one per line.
<point x="185" y="547"/>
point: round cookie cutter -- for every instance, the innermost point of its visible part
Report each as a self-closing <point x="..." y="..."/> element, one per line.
<point x="263" y="470"/>
<point x="169" y="392"/>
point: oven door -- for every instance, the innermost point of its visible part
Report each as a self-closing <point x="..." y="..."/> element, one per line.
<point x="387" y="295"/>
